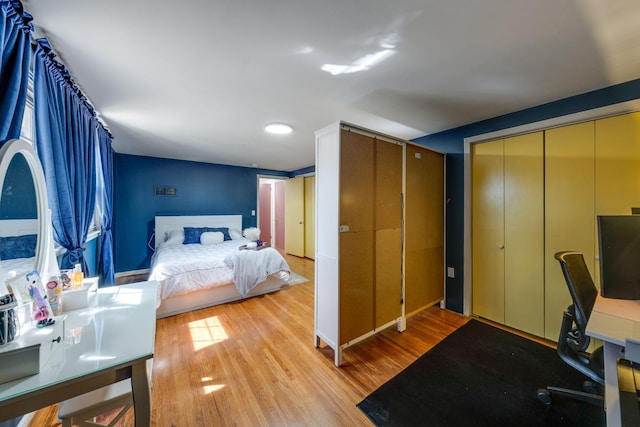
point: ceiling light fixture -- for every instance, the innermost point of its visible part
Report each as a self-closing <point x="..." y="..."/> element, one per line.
<point x="278" y="128"/>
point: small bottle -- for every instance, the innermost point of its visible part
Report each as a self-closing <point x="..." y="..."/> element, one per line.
<point x="77" y="276"/>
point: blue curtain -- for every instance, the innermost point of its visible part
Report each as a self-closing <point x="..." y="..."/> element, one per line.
<point x="66" y="144"/>
<point x="15" y="54"/>
<point x="106" y="269"/>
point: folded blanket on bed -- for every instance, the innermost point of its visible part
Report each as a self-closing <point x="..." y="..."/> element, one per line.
<point x="252" y="267"/>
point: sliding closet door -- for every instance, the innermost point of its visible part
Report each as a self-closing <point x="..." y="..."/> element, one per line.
<point x="569" y="212"/>
<point x="508" y="233"/>
<point x="524" y="233"/>
<point x="488" y="230"/>
<point x="617" y="164"/>
<point x="388" y="232"/>
<point x="356" y="236"/>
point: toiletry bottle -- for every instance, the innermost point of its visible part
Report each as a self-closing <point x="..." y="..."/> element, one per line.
<point x="77" y="276"/>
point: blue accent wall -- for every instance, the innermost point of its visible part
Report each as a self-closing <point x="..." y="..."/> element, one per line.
<point x="452" y="143"/>
<point x="201" y="189"/>
<point x="18" y="199"/>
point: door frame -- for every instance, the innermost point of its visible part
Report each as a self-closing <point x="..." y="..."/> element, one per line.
<point x="267" y="179"/>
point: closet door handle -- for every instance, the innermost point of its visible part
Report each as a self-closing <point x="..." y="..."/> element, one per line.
<point x="500" y="246"/>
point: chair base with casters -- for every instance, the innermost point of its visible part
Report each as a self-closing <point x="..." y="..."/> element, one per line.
<point x="544" y="395"/>
<point x="573" y="341"/>
<point x="592" y="365"/>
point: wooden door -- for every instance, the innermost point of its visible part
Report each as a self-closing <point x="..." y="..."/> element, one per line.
<point x="424" y="228"/>
<point x="264" y="222"/>
<point x="294" y="216"/>
<point x="310" y="217"/>
<point x="569" y="212"/>
<point x="488" y="230"/>
<point x="388" y="231"/>
<point x="524" y="233"/>
<point x="279" y="209"/>
<point x="356" y="236"/>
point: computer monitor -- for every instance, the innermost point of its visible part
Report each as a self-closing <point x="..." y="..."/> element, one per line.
<point x="619" y="241"/>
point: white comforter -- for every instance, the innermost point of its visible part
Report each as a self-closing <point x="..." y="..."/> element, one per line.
<point x="251" y="267"/>
<point x="181" y="269"/>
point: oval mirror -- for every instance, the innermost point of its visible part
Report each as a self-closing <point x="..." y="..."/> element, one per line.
<point x="24" y="224"/>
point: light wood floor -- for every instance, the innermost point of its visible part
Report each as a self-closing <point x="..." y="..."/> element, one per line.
<point x="253" y="363"/>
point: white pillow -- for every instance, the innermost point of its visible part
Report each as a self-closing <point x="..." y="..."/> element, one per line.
<point x="235" y="234"/>
<point x="252" y="233"/>
<point x="174" y="236"/>
<point x="211" y="238"/>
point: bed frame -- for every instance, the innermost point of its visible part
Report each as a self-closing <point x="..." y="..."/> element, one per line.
<point x="205" y="297"/>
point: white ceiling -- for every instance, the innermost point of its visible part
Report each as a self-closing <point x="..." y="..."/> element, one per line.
<point x="198" y="79"/>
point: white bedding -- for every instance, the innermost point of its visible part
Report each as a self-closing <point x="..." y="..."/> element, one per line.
<point x="181" y="269"/>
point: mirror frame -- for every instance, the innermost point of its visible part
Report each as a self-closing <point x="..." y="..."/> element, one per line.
<point x="43" y="243"/>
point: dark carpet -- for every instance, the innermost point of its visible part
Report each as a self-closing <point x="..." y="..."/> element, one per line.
<point x="481" y="376"/>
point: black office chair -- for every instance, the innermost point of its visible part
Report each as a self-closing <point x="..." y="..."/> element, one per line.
<point x="573" y="340"/>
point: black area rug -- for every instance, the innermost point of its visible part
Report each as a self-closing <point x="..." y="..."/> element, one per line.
<point x="481" y="376"/>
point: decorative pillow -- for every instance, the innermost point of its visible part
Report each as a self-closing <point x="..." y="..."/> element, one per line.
<point x="13" y="247"/>
<point x="223" y="230"/>
<point x="174" y="236"/>
<point x="192" y="234"/>
<point x="252" y="233"/>
<point x="211" y="238"/>
<point x="235" y="234"/>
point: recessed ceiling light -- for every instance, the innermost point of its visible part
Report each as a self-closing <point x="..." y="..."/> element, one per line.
<point x="278" y="128"/>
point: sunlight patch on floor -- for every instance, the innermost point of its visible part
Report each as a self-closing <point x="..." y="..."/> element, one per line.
<point x="206" y="332"/>
<point x="211" y="388"/>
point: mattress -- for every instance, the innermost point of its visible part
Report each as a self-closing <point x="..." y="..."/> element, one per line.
<point x="181" y="269"/>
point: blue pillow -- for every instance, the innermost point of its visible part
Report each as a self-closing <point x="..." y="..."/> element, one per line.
<point x="192" y="234"/>
<point x="13" y="247"/>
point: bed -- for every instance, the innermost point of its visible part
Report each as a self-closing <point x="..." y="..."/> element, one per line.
<point x="198" y="263"/>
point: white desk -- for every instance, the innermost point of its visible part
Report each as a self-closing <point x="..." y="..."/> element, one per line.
<point x="613" y="321"/>
<point x="104" y="343"/>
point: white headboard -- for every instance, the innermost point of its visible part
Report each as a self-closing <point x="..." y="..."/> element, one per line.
<point x="165" y="223"/>
<point x="18" y="227"/>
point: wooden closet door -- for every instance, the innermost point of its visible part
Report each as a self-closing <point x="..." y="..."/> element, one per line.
<point x="388" y="232"/>
<point x="569" y="212"/>
<point x="357" y="242"/>
<point x="524" y="233"/>
<point x="424" y="228"/>
<point x="488" y="230"/>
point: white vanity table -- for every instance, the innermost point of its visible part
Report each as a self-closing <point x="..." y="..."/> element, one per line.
<point x="108" y="341"/>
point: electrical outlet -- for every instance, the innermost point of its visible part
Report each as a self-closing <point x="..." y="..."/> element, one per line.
<point x="451" y="272"/>
<point x="253" y="212"/>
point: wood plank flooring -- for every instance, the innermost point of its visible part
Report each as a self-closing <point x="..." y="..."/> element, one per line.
<point x="253" y="363"/>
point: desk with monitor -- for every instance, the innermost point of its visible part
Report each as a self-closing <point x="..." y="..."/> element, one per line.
<point x="614" y="321"/>
<point x="615" y="317"/>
